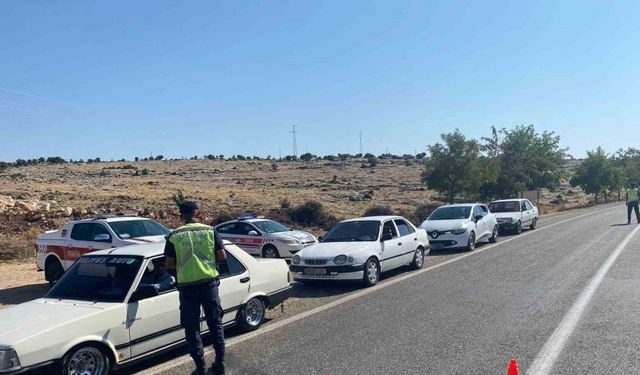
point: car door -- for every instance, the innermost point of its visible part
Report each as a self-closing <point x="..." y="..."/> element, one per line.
<point x="486" y="219"/>
<point x="235" y="281"/>
<point x="154" y="322"/>
<point x="526" y="215"/>
<point x="533" y="213"/>
<point x="392" y="249"/>
<point x="83" y="240"/>
<point x="409" y="240"/>
<point x="477" y="217"/>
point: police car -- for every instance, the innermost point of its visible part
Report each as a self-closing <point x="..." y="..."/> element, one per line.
<point x="56" y="250"/>
<point x="263" y="237"/>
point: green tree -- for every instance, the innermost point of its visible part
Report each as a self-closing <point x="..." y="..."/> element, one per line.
<point x="595" y="174"/>
<point x="452" y="166"/>
<point x="307" y="156"/>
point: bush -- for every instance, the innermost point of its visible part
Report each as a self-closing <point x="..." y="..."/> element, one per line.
<point x="422" y="212"/>
<point x="378" y="211"/>
<point x="285" y="202"/>
<point x="311" y="213"/>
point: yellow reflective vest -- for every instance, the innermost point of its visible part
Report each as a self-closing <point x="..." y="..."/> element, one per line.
<point x="195" y="253"/>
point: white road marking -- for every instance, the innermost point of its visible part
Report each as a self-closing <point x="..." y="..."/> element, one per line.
<point x="277" y="325"/>
<point x="546" y="358"/>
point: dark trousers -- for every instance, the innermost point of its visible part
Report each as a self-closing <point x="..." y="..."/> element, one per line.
<point x="191" y="298"/>
<point x="633" y="206"/>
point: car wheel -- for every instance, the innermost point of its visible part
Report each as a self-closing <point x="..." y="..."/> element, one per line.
<point x="270" y="251"/>
<point x="533" y="224"/>
<point x="418" y="259"/>
<point x="252" y="315"/>
<point x="86" y="360"/>
<point x="494" y="235"/>
<point x="371" y="272"/>
<point x="471" y="243"/>
<point x="53" y="271"/>
<point x="518" y="227"/>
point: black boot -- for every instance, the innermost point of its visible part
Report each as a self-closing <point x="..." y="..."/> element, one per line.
<point x="218" y="368"/>
<point x="201" y="367"/>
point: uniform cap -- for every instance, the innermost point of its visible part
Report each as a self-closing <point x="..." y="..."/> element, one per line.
<point x="187" y="207"/>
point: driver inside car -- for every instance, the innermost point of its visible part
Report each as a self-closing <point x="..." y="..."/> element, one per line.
<point x="158" y="276"/>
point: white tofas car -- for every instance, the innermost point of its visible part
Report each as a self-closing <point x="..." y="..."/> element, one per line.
<point x="360" y="249"/>
<point x="514" y="214"/>
<point x="56" y="250"/>
<point x="106" y="312"/>
<point x="265" y="238"/>
<point x="460" y="226"/>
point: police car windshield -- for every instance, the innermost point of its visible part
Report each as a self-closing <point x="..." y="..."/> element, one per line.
<point x="138" y="228"/>
<point x="269" y="226"/>
<point x="451" y="213"/>
<point x="353" y="231"/>
<point x="512" y="206"/>
<point x="97" y="278"/>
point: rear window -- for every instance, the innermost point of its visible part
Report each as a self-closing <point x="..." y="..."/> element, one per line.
<point x="138" y="228"/>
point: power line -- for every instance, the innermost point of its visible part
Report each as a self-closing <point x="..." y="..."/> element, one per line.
<point x="360" y="141"/>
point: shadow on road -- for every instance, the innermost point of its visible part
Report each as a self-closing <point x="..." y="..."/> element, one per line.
<point x="20" y="294"/>
<point x="620" y="225"/>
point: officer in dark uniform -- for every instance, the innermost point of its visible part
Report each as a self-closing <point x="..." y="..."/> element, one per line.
<point x="194" y="249"/>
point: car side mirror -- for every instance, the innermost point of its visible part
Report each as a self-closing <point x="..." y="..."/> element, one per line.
<point x="253" y="233"/>
<point x="144" y="292"/>
<point x="102" y="238"/>
<point x="477" y="218"/>
<point x="320" y="239"/>
<point x="386" y="237"/>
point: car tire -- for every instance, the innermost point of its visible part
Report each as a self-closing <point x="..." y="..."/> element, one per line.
<point x="53" y="271"/>
<point x="471" y="242"/>
<point x="517" y="229"/>
<point x="533" y="223"/>
<point x="494" y="235"/>
<point x="418" y="259"/>
<point x="270" y="251"/>
<point x="371" y="272"/>
<point x="86" y="359"/>
<point x="252" y="315"/>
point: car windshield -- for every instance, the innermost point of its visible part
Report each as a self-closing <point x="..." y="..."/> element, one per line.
<point x="270" y="226"/>
<point x="511" y="206"/>
<point x="98" y="278"/>
<point x="353" y="231"/>
<point x="138" y="228"/>
<point x="451" y="213"/>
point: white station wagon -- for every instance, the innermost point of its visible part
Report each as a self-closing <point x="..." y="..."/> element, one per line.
<point x="359" y="249"/>
<point x="107" y="311"/>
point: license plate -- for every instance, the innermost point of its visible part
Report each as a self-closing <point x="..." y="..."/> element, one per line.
<point x="315" y="271"/>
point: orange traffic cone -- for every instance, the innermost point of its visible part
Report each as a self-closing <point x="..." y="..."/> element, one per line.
<point x="513" y="368"/>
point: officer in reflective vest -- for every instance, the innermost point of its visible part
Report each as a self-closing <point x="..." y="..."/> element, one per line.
<point x="193" y="250"/>
<point x="632" y="203"/>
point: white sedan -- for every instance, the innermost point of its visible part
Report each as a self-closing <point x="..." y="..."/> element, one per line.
<point x="108" y="311"/>
<point x="460" y="226"/>
<point x="360" y="249"/>
<point x="514" y="214"/>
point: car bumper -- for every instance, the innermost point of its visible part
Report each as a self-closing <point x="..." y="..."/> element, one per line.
<point x="355" y="272"/>
<point x="506" y="226"/>
<point x="279" y="296"/>
<point x="449" y="241"/>
<point x="24" y="369"/>
<point x="290" y="250"/>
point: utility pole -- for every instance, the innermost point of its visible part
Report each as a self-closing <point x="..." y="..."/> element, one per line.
<point x="280" y="152"/>
<point x="295" y="146"/>
<point x="360" y="141"/>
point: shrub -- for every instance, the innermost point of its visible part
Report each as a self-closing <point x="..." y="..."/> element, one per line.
<point x="285" y="202"/>
<point x="378" y="211"/>
<point x="422" y="212"/>
<point x="311" y="213"/>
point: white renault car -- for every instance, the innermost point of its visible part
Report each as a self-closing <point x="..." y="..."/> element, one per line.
<point x="514" y="214"/>
<point x="360" y="249"/>
<point x="107" y="310"/>
<point x="265" y="238"/>
<point x="460" y="226"/>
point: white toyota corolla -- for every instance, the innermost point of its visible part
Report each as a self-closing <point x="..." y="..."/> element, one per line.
<point x="460" y="226"/>
<point x="112" y="309"/>
<point x="360" y="249"/>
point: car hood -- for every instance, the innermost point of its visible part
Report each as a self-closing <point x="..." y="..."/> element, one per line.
<point x="333" y="249"/>
<point x="299" y="235"/>
<point x="442" y="225"/>
<point x="26" y="320"/>
<point x="146" y="239"/>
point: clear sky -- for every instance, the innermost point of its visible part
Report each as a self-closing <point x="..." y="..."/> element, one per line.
<point x="118" y="79"/>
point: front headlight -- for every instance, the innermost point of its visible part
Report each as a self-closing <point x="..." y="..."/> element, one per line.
<point x="459" y="230"/>
<point x="290" y="241"/>
<point x="340" y="259"/>
<point x="8" y="359"/>
<point x="295" y="259"/>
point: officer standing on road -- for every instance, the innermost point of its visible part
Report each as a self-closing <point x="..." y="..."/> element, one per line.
<point x="632" y="203"/>
<point x="193" y="249"/>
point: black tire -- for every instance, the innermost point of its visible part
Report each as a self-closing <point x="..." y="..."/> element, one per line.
<point x="270" y="251"/>
<point x="471" y="243"/>
<point x="418" y="259"/>
<point x="533" y="224"/>
<point x="53" y="271"/>
<point x="494" y="235"/>
<point x="92" y="358"/>
<point x="252" y="315"/>
<point x="371" y="272"/>
<point x="517" y="229"/>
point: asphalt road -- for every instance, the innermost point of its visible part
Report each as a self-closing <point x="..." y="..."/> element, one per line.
<point x="534" y="297"/>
